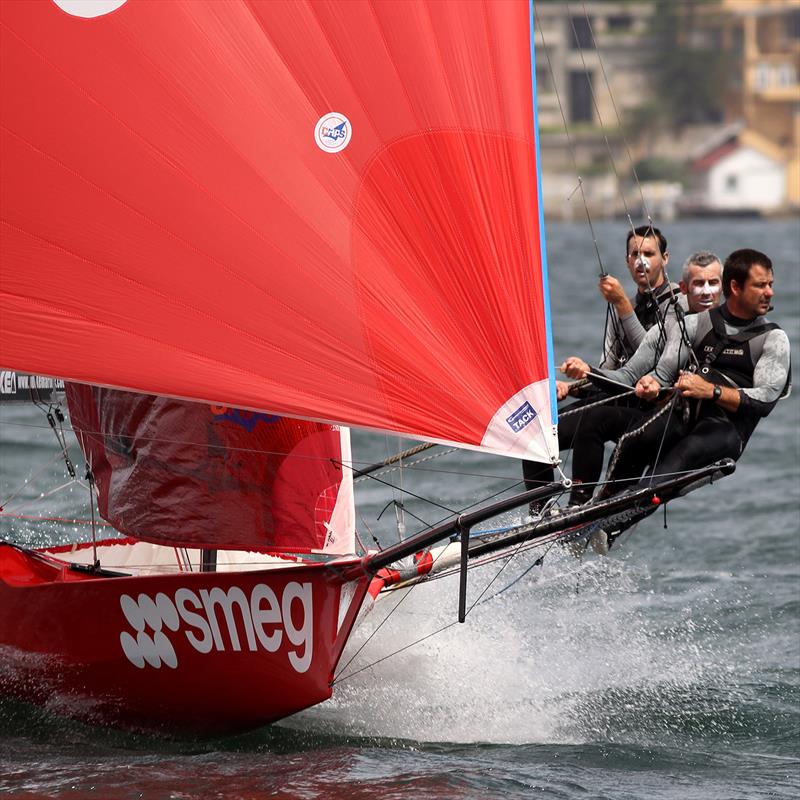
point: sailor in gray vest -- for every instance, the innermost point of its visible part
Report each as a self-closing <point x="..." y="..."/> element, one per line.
<point x="701" y="282"/>
<point x="741" y="369"/>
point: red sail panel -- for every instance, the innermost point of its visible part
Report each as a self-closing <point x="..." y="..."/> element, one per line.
<point x="327" y="210"/>
<point x="176" y="472"/>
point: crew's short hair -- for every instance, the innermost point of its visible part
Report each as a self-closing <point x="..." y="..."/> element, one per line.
<point x="737" y="267"/>
<point x="645" y="231"/>
<point x="702" y="258"/>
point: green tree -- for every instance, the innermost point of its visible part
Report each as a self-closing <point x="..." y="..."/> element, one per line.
<point x="691" y="73"/>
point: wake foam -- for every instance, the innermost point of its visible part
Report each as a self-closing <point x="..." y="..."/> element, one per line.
<point x="556" y="657"/>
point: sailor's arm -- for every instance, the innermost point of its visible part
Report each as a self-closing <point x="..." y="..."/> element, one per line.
<point x="674" y="357"/>
<point x="769" y="376"/>
<point x="640" y="363"/>
<point x="633" y="330"/>
<point x="611" y="345"/>
<point x="676" y="351"/>
<point x="691" y="385"/>
<point x="612" y="291"/>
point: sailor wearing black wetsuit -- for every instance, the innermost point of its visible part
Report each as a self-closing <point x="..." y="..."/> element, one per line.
<point x="629" y="320"/>
<point x="743" y="370"/>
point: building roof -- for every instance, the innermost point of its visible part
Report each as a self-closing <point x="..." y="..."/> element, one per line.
<point x="705" y="162"/>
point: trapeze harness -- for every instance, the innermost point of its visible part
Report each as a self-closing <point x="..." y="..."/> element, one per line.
<point x="697" y="433"/>
<point x="648" y="309"/>
<point x="730" y="359"/>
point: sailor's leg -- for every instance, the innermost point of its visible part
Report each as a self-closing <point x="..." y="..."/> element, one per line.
<point x="641" y="446"/>
<point x="600" y="425"/>
<point x="711" y="439"/>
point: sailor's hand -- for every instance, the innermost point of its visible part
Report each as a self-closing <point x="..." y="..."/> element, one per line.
<point x="611" y="289"/>
<point x="648" y="388"/>
<point x="562" y="389"/>
<point x="575" y="367"/>
<point x="691" y="385"/>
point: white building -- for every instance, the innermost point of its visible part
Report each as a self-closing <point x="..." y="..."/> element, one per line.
<point x="740" y="174"/>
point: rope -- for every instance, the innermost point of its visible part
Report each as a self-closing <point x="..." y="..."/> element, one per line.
<point x="600" y="402"/>
<point x="410" y="465"/>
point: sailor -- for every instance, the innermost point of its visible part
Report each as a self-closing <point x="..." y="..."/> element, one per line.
<point x="742" y="370"/>
<point x="629" y="319"/>
<point x="700" y="286"/>
<point x="646" y="257"/>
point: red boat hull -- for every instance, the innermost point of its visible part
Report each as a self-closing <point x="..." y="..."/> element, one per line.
<point x="207" y="652"/>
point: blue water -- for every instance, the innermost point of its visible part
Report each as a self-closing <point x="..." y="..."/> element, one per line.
<point x="669" y="669"/>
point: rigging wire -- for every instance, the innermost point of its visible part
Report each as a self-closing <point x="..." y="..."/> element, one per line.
<point x="449" y="511"/>
<point x="650" y="289"/>
<point x="510" y="556"/>
<point x="571" y="148"/>
<point x="673" y="299"/>
<point x="480" y="600"/>
<point x="611" y="317"/>
<point x="619" y="119"/>
<point x="361" y="475"/>
<point x="29" y="480"/>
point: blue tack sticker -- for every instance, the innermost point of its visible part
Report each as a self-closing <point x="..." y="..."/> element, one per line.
<point x="521" y="417"/>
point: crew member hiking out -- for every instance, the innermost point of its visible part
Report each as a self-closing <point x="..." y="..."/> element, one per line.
<point x="701" y="281"/>
<point x="627" y="322"/>
<point x="744" y="369"/>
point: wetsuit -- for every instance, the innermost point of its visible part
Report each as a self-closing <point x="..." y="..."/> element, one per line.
<point x="625" y="334"/>
<point x="607" y="422"/>
<point x="623" y="338"/>
<point x="750" y="355"/>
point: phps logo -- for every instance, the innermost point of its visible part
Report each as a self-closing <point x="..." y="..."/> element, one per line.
<point x="332" y="132"/>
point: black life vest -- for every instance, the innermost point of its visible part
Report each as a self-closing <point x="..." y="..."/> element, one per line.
<point x="649" y="308"/>
<point x="730" y="359"/>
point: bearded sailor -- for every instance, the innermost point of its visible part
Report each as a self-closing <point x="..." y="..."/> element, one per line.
<point x="742" y="369"/>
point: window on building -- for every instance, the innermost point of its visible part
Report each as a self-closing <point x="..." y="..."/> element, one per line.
<point x="786" y="75"/>
<point x="580" y="96"/>
<point x="731" y="183"/>
<point x="544" y="85"/>
<point x="582" y="38"/>
<point x="793" y="25"/>
<point x="619" y="22"/>
<point x="762" y="76"/>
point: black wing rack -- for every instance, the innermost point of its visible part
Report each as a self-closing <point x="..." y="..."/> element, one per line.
<point x="614" y="515"/>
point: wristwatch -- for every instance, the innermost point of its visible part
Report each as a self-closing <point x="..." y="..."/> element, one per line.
<point x="717" y="392"/>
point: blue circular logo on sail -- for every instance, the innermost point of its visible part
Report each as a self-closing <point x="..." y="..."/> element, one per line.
<point x="333" y="132"/>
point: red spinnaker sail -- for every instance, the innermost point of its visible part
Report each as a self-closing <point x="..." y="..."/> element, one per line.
<point x="191" y="475"/>
<point x="324" y="210"/>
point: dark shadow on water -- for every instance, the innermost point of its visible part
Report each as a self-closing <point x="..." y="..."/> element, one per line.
<point x="41" y="727"/>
